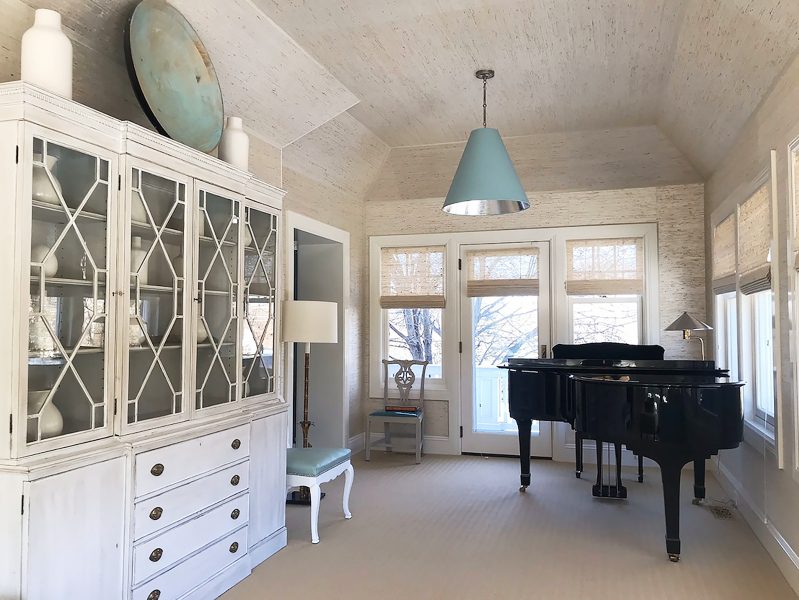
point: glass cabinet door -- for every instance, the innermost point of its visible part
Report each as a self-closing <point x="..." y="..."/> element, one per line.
<point x="69" y="275"/>
<point x="157" y="301"/>
<point x="258" y="341"/>
<point x="218" y="282"/>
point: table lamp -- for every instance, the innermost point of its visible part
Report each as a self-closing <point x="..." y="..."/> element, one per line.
<point x="308" y="322"/>
<point x="686" y="323"/>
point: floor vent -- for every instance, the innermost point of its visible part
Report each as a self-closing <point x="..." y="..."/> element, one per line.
<point x="721" y="512"/>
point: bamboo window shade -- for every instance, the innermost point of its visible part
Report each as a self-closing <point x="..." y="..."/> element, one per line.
<point x="412" y="277"/>
<point x="795" y="159"/>
<point x="754" y="242"/>
<point x="605" y="267"/>
<point x="505" y="272"/>
<point x="724" y="256"/>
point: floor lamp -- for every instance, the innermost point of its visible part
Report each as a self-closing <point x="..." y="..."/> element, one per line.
<point x="309" y="322"/>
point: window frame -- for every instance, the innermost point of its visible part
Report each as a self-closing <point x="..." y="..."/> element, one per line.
<point x="639" y="300"/>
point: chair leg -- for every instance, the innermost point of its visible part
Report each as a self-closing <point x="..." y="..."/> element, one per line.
<point x="315" y="501"/>
<point x="387" y="433"/>
<point x="418" y="441"/>
<point x="368" y="438"/>
<point x="349" y="475"/>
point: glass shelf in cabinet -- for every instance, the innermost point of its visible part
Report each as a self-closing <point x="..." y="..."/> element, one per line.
<point x="145" y="230"/>
<point x="209" y="240"/>
<point x="64" y="281"/>
<point x="54" y="213"/>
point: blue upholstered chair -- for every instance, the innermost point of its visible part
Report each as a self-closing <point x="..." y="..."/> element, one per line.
<point x="403" y="410"/>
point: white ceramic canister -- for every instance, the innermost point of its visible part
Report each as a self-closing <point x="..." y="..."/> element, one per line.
<point x="38" y="252"/>
<point x="47" y="54"/>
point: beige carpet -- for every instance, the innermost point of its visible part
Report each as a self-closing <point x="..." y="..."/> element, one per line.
<point x="457" y="527"/>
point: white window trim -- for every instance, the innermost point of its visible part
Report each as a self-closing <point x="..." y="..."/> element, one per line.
<point x="448" y="388"/>
<point x="793" y="287"/>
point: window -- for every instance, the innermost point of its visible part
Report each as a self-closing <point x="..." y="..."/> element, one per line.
<point x="762" y="316"/>
<point x="605" y="287"/>
<point x="727" y="333"/>
<point x="412" y="299"/>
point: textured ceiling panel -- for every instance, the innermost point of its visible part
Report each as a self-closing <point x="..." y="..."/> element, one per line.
<point x="728" y="55"/>
<point x="561" y="65"/>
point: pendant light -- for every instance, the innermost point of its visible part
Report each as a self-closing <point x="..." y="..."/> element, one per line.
<point x="486" y="182"/>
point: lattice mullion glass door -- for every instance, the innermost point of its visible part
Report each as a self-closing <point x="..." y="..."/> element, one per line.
<point x="218" y="362"/>
<point x="501" y="317"/>
<point x="258" y="345"/>
<point x="158" y="224"/>
<point x="69" y="366"/>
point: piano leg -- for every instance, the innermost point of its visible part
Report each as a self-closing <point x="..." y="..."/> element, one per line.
<point x="670" y="470"/>
<point x="599" y="445"/>
<point x="640" y="468"/>
<point x="525" y="427"/>
<point x="699" y="481"/>
<point x="617" y="448"/>
<point x="578" y="454"/>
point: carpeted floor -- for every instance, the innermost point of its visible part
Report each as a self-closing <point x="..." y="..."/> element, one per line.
<point x="457" y="527"/>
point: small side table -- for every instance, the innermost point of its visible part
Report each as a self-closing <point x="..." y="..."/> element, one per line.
<point x="312" y="467"/>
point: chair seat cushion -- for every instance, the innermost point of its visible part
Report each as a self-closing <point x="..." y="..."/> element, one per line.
<point x="395" y="413"/>
<point x="311" y="462"/>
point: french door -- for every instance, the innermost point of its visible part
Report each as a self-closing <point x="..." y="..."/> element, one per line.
<point x="505" y="307"/>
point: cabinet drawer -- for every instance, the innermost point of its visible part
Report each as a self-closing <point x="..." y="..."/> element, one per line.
<point x="187" y="575"/>
<point x="161" y="511"/>
<point x="173" y="545"/>
<point x="165" y="466"/>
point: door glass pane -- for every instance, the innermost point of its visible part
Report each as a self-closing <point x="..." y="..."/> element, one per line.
<point x="258" y="342"/>
<point x="157" y="295"/>
<point x="605" y="319"/>
<point x="218" y="286"/>
<point x="68" y="276"/>
<point x="763" y="354"/>
<point x="502" y="326"/>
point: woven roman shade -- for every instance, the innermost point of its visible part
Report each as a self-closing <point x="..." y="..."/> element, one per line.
<point x="505" y="272"/>
<point x="754" y="242"/>
<point x="724" y="256"/>
<point x="795" y="158"/>
<point x="605" y="267"/>
<point x="412" y="277"/>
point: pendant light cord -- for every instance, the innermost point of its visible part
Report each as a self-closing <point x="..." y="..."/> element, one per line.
<point x="485" y="82"/>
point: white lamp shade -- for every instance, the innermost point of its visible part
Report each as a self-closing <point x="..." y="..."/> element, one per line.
<point x="310" y="321"/>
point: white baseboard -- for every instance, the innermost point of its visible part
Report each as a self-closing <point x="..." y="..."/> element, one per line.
<point x="775" y="544"/>
<point x="267" y="547"/>
<point x="356" y="443"/>
<point x="433" y="444"/>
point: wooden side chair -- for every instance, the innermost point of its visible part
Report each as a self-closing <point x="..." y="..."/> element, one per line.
<point x="405" y="410"/>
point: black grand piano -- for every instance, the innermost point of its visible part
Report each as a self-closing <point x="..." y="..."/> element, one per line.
<point x="672" y="411"/>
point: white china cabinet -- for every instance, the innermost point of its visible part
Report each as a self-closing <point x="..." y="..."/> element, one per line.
<point x="144" y="453"/>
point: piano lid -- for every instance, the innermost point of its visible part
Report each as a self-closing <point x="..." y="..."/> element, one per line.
<point x="594" y="365"/>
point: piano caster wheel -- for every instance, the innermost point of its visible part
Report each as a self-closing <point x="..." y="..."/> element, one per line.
<point x="697" y="501"/>
<point x="577" y="474"/>
<point x="523" y="489"/>
<point x="640" y="479"/>
<point x="674" y="558"/>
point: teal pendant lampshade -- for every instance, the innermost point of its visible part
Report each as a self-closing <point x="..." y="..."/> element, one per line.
<point x="486" y="182"/>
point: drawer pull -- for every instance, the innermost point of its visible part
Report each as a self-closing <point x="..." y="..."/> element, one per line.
<point x="157" y="469"/>
<point x="156" y="513"/>
<point x="236" y="444"/>
<point x="154" y="595"/>
<point x="235" y="514"/>
<point x="235" y="480"/>
<point x="234" y="547"/>
<point x="156" y="555"/>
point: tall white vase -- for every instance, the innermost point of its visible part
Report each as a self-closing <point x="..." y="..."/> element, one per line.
<point x="47" y="54"/>
<point x="43" y="189"/>
<point x="234" y="147"/>
<point x="137" y="256"/>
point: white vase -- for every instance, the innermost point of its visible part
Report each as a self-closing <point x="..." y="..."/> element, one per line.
<point x="38" y="253"/>
<point x="137" y="210"/>
<point x="42" y="188"/>
<point x="202" y="332"/>
<point x="247" y="236"/>
<point x="178" y="264"/>
<point x="47" y="54"/>
<point x="234" y="147"/>
<point x="51" y="421"/>
<point x="137" y="256"/>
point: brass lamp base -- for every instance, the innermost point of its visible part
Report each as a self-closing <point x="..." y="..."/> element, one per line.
<point x="302" y="496"/>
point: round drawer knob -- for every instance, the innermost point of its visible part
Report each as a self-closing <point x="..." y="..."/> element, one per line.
<point x="235" y="480"/>
<point x="234" y="547"/>
<point x="156" y="554"/>
<point x="154" y="595"/>
<point x="236" y="444"/>
<point x="157" y="469"/>
<point x="235" y="514"/>
<point x="156" y="513"/>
